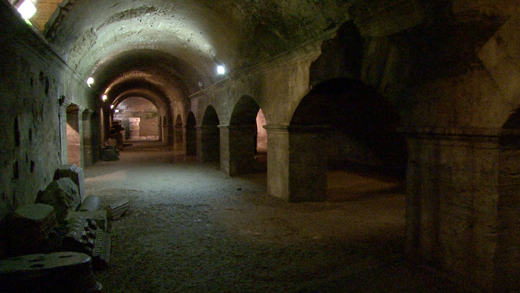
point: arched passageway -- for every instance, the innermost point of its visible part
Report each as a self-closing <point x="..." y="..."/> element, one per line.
<point x="208" y="137"/>
<point x="139" y="118"/>
<point x="343" y="125"/>
<point x="240" y="147"/>
<point x="191" y="135"/>
<point x="261" y="133"/>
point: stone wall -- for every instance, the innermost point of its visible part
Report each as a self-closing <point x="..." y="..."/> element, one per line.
<point x="452" y="201"/>
<point x="31" y="91"/>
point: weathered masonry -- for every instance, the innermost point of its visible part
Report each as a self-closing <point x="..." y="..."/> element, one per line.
<point x="427" y="89"/>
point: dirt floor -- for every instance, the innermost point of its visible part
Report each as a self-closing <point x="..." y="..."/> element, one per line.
<point x="191" y="228"/>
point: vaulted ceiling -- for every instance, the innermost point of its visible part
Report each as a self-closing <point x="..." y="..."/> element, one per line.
<point x="178" y="43"/>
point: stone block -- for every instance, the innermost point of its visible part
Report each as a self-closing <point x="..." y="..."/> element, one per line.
<point x="76" y="174"/>
<point x="99" y="216"/>
<point x="29" y="227"/>
<point x="63" y="195"/>
<point x="109" y="154"/>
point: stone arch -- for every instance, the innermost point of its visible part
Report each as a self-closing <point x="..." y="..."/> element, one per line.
<point x="191" y="135"/>
<point x="178" y="120"/>
<point x="239" y="156"/>
<point x="342" y="124"/>
<point x="139" y="116"/>
<point x="209" y="137"/>
<point x="507" y="255"/>
<point x="244" y="112"/>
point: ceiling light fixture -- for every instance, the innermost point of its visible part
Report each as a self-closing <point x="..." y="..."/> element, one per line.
<point x="221" y="69"/>
<point x="27" y="9"/>
<point x="104" y="98"/>
<point x="90" y="81"/>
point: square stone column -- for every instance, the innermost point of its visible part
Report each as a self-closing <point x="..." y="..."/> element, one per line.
<point x="507" y="257"/>
<point x="296" y="163"/>
<point x="88" y="156"/>
<point x="63" y="135"/>
<point x="208" y="144"/>
<point x="278" y="161"/>
<point x="237" y="149"/>
<point x="451" y="217"/>
<point x="307" y="163"/>
<point x="178" y="143"/>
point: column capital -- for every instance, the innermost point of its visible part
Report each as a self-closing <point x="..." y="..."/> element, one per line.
<point x="206" y="126"/>
<point x="235" y="127"/>
<point x="309" y="128"/>
<point x="276" y="127"/>
<point x="458" y="133"/>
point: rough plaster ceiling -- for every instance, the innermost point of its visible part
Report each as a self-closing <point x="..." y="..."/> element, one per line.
<point x="183" y="40"/>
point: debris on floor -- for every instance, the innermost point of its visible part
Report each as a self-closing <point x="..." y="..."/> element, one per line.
<point x="109" y="153"/>
<point x="118" y="209"/>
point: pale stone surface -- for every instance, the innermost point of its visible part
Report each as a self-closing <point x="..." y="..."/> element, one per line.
<point x="76" y="174"/>
<point x="63" y="195"/>
<point x="35" y="212"/>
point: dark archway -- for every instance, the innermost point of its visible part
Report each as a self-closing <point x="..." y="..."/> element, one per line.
<point x="191" y="135"/>
<point x="242" y="134"/>
<point x="209" y="137"/>
<point x="340" y="125"/>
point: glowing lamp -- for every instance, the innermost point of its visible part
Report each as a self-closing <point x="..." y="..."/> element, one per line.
<point x="27" y="9"/>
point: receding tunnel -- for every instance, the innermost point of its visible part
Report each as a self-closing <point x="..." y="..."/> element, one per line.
<point x="188" y="103"/>
<point x="139" y="118"/>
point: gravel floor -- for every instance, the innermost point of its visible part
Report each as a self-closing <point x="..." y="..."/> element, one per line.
<point x="191" y="228"/>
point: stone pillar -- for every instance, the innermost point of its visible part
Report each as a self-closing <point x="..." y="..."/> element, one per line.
<point x="278" y="161"/>
<point x="63" y="135"/>
<point x="307" y="163"/>
<point x="74" y="137"/>
<point x="237" y="149"/>
<point x="88" y="158"/>
<point x="508" y="247"/>
<point x="451" y="217"/>
<point x="208" y="144"/>
<point x="164" y="130"/>
<point x="190" y="137"/>
<point x="178" y="143"/>
<point x="296" y="163"/>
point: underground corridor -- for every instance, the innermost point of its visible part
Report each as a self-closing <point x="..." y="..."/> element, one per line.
<point x="191" y="228"/>
<point x="260" y="145"/>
